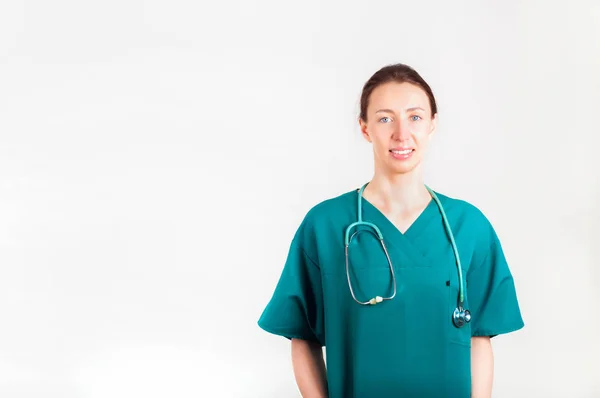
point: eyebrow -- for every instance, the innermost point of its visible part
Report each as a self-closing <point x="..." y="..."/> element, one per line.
<point x="408" y="110"/>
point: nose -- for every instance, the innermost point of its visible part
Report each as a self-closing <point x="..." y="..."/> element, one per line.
<point x="401" y="130"/>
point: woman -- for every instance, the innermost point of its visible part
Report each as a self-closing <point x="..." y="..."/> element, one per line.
<point x="412" y="314"/>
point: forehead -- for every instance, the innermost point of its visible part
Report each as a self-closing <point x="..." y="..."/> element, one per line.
<point x="398" y="96"/>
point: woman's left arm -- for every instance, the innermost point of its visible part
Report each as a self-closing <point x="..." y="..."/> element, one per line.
<point x="482" y="367"/>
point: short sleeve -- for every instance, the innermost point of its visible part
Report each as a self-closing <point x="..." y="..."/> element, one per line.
<point x="295" y="309"/>
<point x="491" y="292"/>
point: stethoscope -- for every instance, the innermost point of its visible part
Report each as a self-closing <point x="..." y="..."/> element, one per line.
<point x="460" y="316"/>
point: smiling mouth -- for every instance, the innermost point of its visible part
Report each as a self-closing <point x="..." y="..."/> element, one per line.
<point x="401" y="152"/>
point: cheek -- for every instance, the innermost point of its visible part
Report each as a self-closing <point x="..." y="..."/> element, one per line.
<point x="376" y="135"/>
<point x="422" y="132"/>
<point x="381" y="142"/>
<point x="422" y="127"/>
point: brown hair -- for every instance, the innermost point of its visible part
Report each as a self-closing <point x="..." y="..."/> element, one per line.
<point x="399" y="73"/>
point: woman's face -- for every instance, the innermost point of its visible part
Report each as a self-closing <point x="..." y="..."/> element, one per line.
<point x="399" y="126"/>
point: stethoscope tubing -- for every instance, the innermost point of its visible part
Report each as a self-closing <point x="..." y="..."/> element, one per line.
<point x="460" y="316"/>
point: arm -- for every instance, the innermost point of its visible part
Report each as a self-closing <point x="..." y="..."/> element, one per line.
<point x="309" y="369"/>
<point x="482" y="367"/>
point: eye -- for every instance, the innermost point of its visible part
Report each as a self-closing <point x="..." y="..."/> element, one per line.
<point x="385" y="117"/>
<point x="415" y="118"/>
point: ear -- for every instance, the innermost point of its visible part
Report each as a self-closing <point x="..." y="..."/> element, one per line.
<point x="433" y="128"/>
<point x="363" y="130"/>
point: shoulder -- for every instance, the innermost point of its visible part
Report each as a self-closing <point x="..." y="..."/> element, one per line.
<point x="322" y="217"/>
<point x="469" y="218"/>
<point x="466" y="210"/>
<point x="329" y="209"/>
<point x="475" y="231"/>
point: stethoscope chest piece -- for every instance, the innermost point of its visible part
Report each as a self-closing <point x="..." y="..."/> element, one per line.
<point x="461" y="317"/>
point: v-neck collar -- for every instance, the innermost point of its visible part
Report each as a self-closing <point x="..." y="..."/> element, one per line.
<point x="405" y="242"/>
<point x="414" y="230"/>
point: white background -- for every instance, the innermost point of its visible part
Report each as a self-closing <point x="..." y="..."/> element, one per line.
<point x="157" y="157"/>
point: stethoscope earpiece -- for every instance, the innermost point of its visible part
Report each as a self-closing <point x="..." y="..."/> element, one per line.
<point x="461" y="317"/>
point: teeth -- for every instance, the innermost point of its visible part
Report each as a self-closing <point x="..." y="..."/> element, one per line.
<point x="405" y="152"/>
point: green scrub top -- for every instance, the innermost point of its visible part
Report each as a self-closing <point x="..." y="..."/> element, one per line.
<point x="408" y="346"/>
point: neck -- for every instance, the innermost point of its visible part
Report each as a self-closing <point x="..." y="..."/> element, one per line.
<point x="399" y="192"/>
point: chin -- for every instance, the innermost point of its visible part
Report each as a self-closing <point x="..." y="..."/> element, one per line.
<point x="404" y="168"/>
<point x="402" y="171"/>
